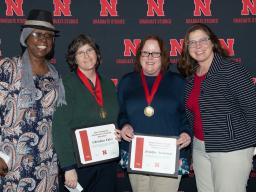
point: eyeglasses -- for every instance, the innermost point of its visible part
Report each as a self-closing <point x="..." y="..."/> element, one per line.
<point x="38" y="35"/>
<point x="84" y="53"/>
<point x="203" y="42"/>
<point x="153" y="54"/>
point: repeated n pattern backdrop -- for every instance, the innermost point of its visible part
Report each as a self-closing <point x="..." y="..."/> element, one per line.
<point x="119" y="25"/>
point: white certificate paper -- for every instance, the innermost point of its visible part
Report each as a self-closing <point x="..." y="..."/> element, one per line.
<point x="96" y="144"/>
<point x="154" y="155"/>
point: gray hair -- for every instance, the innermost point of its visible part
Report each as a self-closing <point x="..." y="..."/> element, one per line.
<point x="24" y="35"/>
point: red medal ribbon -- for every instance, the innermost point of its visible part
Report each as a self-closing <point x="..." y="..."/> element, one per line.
<point x="97" y="92"/>
<point x="150" y="96"/>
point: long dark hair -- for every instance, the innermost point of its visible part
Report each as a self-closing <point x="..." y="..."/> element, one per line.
<point x="187" y="64"/>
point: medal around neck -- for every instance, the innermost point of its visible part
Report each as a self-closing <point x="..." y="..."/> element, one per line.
<point x="149" y="111"/>
<point x="103" y="113"/>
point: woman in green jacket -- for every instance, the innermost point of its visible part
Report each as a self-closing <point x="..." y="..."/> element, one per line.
<point x="91" y="100"/>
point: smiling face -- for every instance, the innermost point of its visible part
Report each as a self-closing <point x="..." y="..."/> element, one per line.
<point x="200" y="47"/>
<point x="151" y="59"/>
<point x="39" y="43"/>
<point x="86" y="58"/>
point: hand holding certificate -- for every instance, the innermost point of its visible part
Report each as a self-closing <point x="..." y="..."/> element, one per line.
<point x="96" y="144"/>
<point x="78" y="188"/>
<point x="154" y="155"/>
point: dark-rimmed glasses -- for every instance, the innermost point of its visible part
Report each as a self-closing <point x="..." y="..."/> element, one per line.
<point x="153" y="54"/>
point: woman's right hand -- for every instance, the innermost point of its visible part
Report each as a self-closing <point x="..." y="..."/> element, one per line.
<point x="71" y="178"/>
<point x="127" y="132"/>
<point x="3" y="168"/>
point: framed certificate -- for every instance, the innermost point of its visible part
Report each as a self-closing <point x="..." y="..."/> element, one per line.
<point x="96" y="145"/>
<point x="153" y="155"/>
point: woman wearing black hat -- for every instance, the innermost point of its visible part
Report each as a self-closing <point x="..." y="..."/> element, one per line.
<point x="30" y="89"/>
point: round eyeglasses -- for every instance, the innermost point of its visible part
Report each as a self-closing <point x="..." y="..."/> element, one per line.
<point x="85" y="53"/>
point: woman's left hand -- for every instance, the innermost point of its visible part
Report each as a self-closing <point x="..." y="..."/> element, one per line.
<point x="184" y="140"/>
<point x="118" y="135"/>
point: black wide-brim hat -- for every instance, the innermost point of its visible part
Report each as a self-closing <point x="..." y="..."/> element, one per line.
<point x="40" y="19"/>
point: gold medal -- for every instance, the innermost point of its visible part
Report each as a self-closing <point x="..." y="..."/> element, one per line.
<point x="149" y="111"/>
<point x="103" y="113"/>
